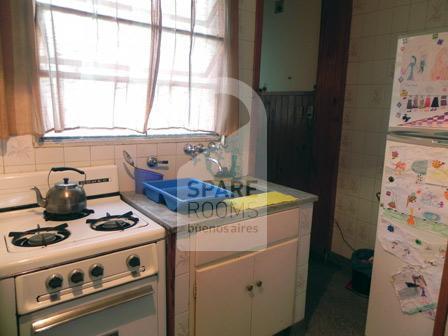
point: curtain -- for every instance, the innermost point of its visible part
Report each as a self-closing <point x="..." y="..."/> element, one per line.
<point x="98" y="62"/>
<point x="199" y="48"/>
<point x="138" y="64"/>
<point x="19" y="86"/>
<point x="227" y="119"/>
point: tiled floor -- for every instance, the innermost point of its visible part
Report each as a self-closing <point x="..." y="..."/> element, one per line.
<point x="331" y="309"/>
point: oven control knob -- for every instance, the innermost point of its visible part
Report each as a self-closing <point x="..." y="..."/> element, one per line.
<point x="97" y="271"/>
<point x="55" y="281"/>
<point x="133" y="261"/>
<point x="76" y="277"/>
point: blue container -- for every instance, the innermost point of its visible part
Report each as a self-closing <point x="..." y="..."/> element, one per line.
<point x="185" y="194"/>
<point x="141" y="176"/>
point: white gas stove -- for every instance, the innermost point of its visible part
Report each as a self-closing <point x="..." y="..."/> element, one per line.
<point x="58" y="275"/>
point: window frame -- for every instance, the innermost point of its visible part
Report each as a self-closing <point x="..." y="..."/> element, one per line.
<point x="132" y="138"/>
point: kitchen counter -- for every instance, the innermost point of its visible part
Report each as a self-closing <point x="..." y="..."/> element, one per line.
<point x="177" y="222"/>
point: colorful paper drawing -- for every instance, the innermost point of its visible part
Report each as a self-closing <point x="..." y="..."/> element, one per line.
<point x="440" y="68"/>
<point x="419" y="223"/>
<point x="408" y="247"/>
<point x="415" y="182"/>
<point x="436" y="121"/>
<point x="437" y="173"/>
<point x="413" y="290"/>
<point x="421" y="73"/>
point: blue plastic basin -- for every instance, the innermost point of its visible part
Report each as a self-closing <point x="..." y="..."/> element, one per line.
<point x="185" y="194"/>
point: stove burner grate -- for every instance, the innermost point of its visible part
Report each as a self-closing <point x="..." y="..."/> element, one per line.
<point x="67" y="217"/>
<point x="40" y="236"/>
<point x="113" y="222"/>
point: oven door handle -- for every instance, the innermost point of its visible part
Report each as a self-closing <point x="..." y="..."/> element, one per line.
<point x="90" y="308"/>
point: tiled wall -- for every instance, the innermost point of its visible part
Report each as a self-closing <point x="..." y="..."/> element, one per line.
<point x="376" y="26"/>
<point x="18" y="154"/>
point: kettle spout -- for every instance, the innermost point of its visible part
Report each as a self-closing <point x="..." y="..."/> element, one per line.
<point x="40" y="200"/>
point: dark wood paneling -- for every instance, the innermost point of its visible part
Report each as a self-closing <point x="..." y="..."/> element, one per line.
<point x="289" y="141"/>
<point x="330" y="90"/>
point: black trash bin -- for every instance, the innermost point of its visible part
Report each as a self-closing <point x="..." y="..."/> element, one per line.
<point x="362" y="262"/>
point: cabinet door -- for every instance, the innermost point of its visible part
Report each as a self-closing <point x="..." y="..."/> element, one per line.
<point x="223" y="302"/>
<point x="273" y="301"/>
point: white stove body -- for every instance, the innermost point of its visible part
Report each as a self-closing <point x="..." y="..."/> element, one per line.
<point x="127" y="298"/>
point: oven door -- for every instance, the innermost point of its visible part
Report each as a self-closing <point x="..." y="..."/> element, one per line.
<point x="126" y="310"/>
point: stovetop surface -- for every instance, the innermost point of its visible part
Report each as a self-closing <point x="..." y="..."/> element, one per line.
<point x="82" y="242"/>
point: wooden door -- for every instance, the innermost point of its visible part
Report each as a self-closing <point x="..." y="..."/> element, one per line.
<point x="223" y="303"/>
<point x="273" y="301"/>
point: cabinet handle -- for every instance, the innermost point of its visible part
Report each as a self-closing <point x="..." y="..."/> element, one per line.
<point x="250" y="288"/>
<point x="259" y="283"/>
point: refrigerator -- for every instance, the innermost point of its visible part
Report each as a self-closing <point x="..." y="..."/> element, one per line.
<point x="412" y="228"/>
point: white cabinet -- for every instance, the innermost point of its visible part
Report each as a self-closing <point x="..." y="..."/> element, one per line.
<point x="273" y="302"/>
<point x="249" y="295"/>
<point x="223" y="304"/>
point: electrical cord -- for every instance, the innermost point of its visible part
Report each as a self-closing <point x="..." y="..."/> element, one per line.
<point x="342" y="235"/>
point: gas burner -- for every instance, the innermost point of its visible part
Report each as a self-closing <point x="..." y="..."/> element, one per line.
<point x="40" y="236"/>
<point x="113" y="222"/>
<point x="67" y="217"/>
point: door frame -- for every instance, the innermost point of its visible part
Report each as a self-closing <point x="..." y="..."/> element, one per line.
<point x="330" y="92"/>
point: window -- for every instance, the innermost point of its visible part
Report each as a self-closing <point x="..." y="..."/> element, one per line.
<point x="96" y="72"/>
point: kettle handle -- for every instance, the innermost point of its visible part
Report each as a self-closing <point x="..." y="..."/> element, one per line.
<point x="59" y="169"/>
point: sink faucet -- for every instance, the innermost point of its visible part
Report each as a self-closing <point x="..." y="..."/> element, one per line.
<point x="218" y="164"/>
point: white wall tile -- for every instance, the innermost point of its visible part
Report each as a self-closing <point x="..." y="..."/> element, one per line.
<point x="49" y="155"/>
<point x="246" y="54"/>
<point x="170" y="172"/>
<point x="305" y="219"/>
<point x="246" y="25"/>
<point x="182" y="160"/>
<point x="99" y="153"/>
<point x="303" y="250"/>
<point x="417" y="19"/>
<point x="102" y="162"/>
<point x="146" y="150"/>
<point x="77" y="154"/>
<point x="301" y="279"/>
<point x="167" y="148"/>
<point x="299" y="307"/>
<point x="249" y="5"/>
<point x="48" y="166"/>
<point x="181" y="324"/>
<point x="435" y="13"/>
<point x="400" y="19"/>
<point x="181" y="284"/>
<point x="19" y="151"/>
<point x="357" y="26"/>
<point x="19" y="169"/>
<point x="182" y="262"/>
<point x="246" y="76"/>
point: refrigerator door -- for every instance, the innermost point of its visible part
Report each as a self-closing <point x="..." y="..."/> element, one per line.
<point x="420" y="88"/>
<point x="415" y="182"/>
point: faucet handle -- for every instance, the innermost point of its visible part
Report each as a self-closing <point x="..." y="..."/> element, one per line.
<point x="153" y="162"/>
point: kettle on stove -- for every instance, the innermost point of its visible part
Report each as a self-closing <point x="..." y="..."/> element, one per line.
<point x="65" y="197"/>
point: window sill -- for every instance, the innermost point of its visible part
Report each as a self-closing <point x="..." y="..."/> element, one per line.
<point x="121" y="140"/>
